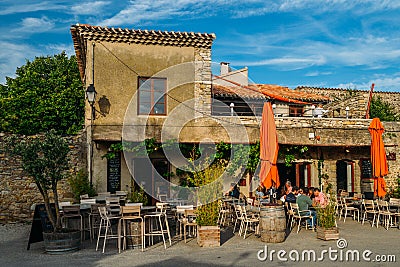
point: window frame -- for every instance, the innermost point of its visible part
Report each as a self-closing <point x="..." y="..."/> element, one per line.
<point x="152" y="91"/>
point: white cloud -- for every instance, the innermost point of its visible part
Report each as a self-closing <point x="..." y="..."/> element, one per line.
<point x="35" y="25"/>
<point x="383" y="82"/>
<point x="11" y="7"/>
<point x="286" y="63"/>
<point x="19" y="52"/>
<point x="317" y="73"/>
<point x="90" y="8"/>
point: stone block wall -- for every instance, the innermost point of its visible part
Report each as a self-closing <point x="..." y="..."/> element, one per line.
<point x="18" y="191"/>
<point x="356" y="100"/>
<point x="203" y="77"/>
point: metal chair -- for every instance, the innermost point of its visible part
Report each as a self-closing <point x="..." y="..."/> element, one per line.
<point x="158" y="217"/>
<point x="70" y="212"/>
<point x="247" y="220"/>
<point x="189" y="221"/>
<point x="301" y="215"/>
<point x="369" y="208"/>
<point x="105" y="224"/>
<point x="347" y="208"/>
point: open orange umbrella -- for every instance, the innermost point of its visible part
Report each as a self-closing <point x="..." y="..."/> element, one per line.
<point x="378" y="157"/>
<point x="268" y="148"/>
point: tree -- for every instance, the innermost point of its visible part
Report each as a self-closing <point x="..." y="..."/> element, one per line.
<point x="45" y="159"/>
<point x="45" y="94"/>
<point x="382" y="110"/>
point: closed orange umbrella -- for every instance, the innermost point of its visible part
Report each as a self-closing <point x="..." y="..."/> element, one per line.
<point x="268" y="148"/>
<point x="378" y="157"/>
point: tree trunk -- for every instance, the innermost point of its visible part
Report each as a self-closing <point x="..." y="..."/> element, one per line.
<point x="58" y="219"/>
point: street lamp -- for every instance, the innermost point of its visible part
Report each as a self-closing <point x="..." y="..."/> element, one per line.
<point x="91" y="97"/>
<point x="347" y="112"/>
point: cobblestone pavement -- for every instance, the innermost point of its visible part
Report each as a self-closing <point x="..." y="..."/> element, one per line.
<point x="234" y="251"/>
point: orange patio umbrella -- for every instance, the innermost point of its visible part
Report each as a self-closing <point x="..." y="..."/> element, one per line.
<point x="268" y="148"/>
<point x="378" y="157"/>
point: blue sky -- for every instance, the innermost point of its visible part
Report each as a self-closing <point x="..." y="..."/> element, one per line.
<point x="324" y="43"/>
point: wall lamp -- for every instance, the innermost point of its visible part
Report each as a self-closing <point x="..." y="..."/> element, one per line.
<point x="274" y="108"/>
<point x="91" y="97"/>
<point x="232" y="105"/>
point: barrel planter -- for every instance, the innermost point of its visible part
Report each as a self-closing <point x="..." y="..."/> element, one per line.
<point x="208" y="236"/>
<point x="135" y="235"/>
<point x="63" y="242"/>
<point x="272" y="224"/>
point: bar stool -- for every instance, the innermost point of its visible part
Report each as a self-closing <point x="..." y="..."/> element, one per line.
<point x="105" y="223"/>
<point x="157" y="217"/>
<point x="130" y="214"/>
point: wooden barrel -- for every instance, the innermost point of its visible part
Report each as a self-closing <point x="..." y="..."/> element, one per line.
<point x="135" y="237"/>
<point x="272" y="224"/>
<point x="59" y="243"/>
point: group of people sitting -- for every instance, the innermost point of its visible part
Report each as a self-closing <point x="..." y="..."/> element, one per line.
<point x="306" y="198"/>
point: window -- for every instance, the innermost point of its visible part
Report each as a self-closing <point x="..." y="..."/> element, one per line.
<point x="295" y="111"/>
<point x="152" y="96"/>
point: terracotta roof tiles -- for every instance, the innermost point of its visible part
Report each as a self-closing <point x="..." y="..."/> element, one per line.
<point x="291" y="94"/>
<point x="236" y="91"/>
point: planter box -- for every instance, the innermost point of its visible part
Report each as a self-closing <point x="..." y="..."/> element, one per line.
<point x="327" y="234"/>
<point x="208" y="236"/>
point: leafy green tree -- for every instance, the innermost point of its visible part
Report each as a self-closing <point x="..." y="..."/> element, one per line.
<point x="45" y="94"/>
<point x="45" y="159"/>
<point x="382" y="110"/>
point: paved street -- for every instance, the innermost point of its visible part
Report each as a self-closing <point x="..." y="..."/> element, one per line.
<point x="234" y="251"/>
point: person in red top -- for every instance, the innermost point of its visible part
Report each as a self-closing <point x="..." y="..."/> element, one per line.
<point x="320" y="198"/>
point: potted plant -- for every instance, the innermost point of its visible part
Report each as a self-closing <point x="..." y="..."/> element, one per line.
<point x="326" y="219"/>
<point x="45" y="159"/>
<point x="210" y="189"/>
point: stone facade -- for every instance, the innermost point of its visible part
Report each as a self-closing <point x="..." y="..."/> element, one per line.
<point x="356" y="100"/>
<point x="203" y="77"/>
<point x="18" y="192"/>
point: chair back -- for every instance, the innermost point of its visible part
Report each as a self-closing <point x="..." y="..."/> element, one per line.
<point x="383" y="205"/>
<point x="104" y="194"/>
<point x="368" y="204"/>
<point x="112" y="204"/>
<point x="84" y="196"/>
<point x="130" y="210"/>
<point x="103" y="212"/>
<point x="162" y="197"/>
<point x="161" y="207"/>
<point x="88" y="201"/>
<point x="73" y="210"/>
<point x="250" y="201"/>
<point x="344" y="193"/>
<point x="295" y="208"/>
<point x="63" y="203"/>
<point x="181" y="209"/>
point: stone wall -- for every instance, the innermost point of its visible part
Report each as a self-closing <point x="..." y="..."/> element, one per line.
<point x="203" y="77"/>
<point x="18" y="191"/>
<point x="356" y="100"/>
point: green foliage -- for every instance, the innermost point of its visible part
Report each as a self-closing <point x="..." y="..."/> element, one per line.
<point x="289" y="153"/>
<point x="210" y="190"/>
<point x="395" y="192"/>
<point x="326" y="216"/>
<point x="46" y="161"/>
<point x="138" y="195"/>
<point x="382" y="110"/>
<point x="45" y="94"/>
<point x="80" y="185"/>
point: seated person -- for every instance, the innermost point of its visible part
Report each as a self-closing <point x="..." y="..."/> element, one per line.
<point x="261" y="194"/>
<point x="288" y="187"/>
<point x="305" y="202"/>
<point x="311" y="193"/>
<point x="320" y="198"/>
<point x="233" y="191"/>
<point x="291" y="197"/>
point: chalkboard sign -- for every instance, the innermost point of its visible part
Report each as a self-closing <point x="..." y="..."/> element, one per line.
<point x="41" y="223"/>
<point x="366" y="169"/>
<point x="114" y="173"/>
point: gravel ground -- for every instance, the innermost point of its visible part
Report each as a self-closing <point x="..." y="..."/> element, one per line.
<point x="234" y="250"/>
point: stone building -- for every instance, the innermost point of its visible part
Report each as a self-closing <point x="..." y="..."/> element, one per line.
<point x="153" y="84"/>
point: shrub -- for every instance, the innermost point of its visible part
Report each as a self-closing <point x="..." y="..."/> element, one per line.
<point x="80" y="185"/>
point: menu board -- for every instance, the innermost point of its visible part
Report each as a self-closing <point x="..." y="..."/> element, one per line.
<point x="40" y="223"/>
<point x="114" y="173"/>
<point x="366" y="169"/>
